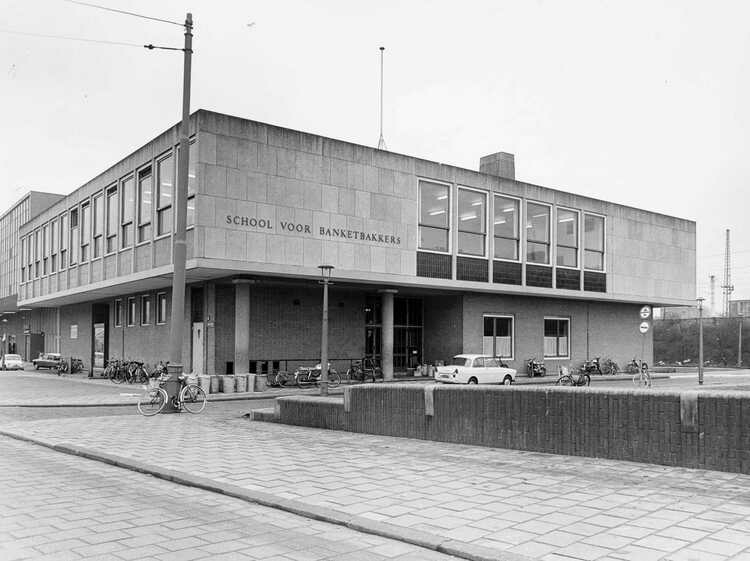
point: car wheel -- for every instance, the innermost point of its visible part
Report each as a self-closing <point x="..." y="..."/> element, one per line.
<point x="507" y="381"/>
<point x="473" y="380"/>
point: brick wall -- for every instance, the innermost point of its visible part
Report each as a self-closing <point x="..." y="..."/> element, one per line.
<point x="443" y="327"/>
<point x="685" y="429"/>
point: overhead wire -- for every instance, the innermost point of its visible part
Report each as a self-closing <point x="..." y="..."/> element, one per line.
<point x="123" y="12"/>
<point x="69" y="38"/>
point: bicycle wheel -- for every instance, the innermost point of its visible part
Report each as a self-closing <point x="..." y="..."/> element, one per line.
<point x="303" y="380"/>
<point x="641" y="380"/>
<point x="141" y="375"/>
<point x="334" y="379"/>
<point x="193" y="398"/>
<point x="152" y="402"/>
<point x="565" y="380"/>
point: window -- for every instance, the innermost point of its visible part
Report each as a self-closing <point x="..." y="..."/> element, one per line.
<point x="145" y="186"/>
<point x="98" y="224"/>
<point x="64" y="241"/>
<point x="164" y="197"/>
<point x="498" y="336"/>
<point x="118" y="313"/>
<point x="506" y="228"/>
<point x="37" y="253"/>
<point x="53" y="245"/>
<point x="472" y="222"/>
<point x="537" y="233"/>
<point x="593" y="242"/>
<point x="74" y="236"/>
<point x="556" y="332"/>
<point x="567" y="238"/>
<point x="45" y="246"/>
<point x="161" y="308"/>
<point x="192" y="181"/>
<point x="112" y="220"/>
<point x="85" y="231"/>
<point x="131" y="311"/>
<point x="145" y="310"/>
<point x="128" y="204"/>
<point x="434" y="216"/>
<point x="23" y="259"/>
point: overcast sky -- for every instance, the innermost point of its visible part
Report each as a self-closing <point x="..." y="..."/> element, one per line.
<point x="643" y="103"/>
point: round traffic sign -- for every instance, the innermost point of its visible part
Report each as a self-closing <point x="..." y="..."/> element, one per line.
<point x="643" y="328"/>
<point x="645" y="312"/>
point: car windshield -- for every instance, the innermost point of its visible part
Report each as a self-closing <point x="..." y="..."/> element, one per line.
<point x="12" y="357"/>
<point x="459" y="361"/>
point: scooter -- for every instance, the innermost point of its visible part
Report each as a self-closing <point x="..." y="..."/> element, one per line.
<point x="535" y="367"/>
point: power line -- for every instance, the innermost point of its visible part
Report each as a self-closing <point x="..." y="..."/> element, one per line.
<point x="124" y="12"/>
<point x="68" y="38"/>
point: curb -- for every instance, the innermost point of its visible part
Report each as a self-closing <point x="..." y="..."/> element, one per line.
<point x="332" y="516"/>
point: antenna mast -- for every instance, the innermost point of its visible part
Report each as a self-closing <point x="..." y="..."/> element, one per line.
<point x="381" y="142"/>
<point x="727" y="286"/>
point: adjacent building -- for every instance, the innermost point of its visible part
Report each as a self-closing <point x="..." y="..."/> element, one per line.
<point x="430" y="260"/>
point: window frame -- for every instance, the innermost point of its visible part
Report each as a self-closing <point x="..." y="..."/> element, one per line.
<point x="45" y="249"/>
<point x="54" y="226"/>
<point x="578" y="238"/>
<point x="147" y="307"/>
<point x="130" y="321"/>
<point x="64" y="219"/>
<point x="512" y="319"/>
<point x="518" y="233"/>
<point x="97" y="223"/>
<point x="127" y="223"/>
<point x="526" y="219"/>
<point x="110" y="222"/>
<point x="117" y="319"/>
<point x="144" y="231"/>
<point x="159" y="297"/>
<point x="486" y="222"/>
<point x="450" y="216"/>
<point x="167" y="209"/>
<point x="192" y="161"/>
<point x="557" y="357"/>
<point x="604" y="242"/>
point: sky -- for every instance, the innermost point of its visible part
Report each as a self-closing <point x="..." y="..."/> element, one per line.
<point x="642" y="103"/>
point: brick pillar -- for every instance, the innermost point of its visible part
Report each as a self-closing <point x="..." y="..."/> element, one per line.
<point x="241" y="326"/>
<point x="386" y="335"/>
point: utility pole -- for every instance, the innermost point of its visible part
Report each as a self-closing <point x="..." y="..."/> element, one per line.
<point x="739" y="343"/>
<point x="179" y="250"/>
<point x="700" y="341"/>
<point x="727" y="286"/>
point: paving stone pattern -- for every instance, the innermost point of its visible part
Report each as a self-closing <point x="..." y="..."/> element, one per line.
<point x="538" y="505"/>
<point x="59" y="507"/>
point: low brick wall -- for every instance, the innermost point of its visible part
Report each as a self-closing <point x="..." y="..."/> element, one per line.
<point x="706" y="430"/>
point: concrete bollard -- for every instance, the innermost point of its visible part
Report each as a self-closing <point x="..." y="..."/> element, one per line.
<point x="261" y="382"/>
<point x="240" y="381"/>
<point x="227" y="384"/>
<point x="214" y="384"/>
<point x="205" y="383"/>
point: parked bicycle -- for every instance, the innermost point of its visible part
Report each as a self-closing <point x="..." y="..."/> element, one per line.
<point x="565" y="378"/>
<point x="610" y="367"/>
<point x="191" y="397"/>
<point x="634" y="366"/>
<point x="535" y="367"/>
<point x="363" y="370"/>
<point x="642" y="378"/>
<point x="592" y="367"/>
<point x="279" y="378"/>
<point x="305" y="376"/>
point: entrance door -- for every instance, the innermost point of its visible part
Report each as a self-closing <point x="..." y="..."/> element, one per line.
<point x="198" y="348"/>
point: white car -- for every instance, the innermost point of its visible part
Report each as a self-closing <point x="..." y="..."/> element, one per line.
<point x="11" y="362"/>
<point x="475" y="369"/>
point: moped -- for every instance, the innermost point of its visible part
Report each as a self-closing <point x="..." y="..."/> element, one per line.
<point x="535" y="367"/>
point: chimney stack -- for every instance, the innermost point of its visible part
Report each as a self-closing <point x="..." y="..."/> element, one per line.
<point x="500" y="164"/>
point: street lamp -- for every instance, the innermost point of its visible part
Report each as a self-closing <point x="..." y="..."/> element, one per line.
<point x="740" y="317"/>
<point x="700" y="340"/>
<point x="325" y="273"/>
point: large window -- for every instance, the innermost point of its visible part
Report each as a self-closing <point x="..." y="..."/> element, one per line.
<point x="506" y="228"/>
<point x="556" y="337"/>
<point x="23" y="259"/>
<point x="145" y="187"/>
<point x="434" y="216"/>
<point x="537" y="233"/>
<point x="64" y="233"/>
<point x="498" y="336"/>
<point x="161" y="308"/>
<point x="53" y="242"/>
<point x="131" y="311"/>
<point x="118" y="313"/>
<point x="593" y="242"/>
<point x="37" y="253"/>
<point x="164" y="197"/>
<point x="45" y="248"/>
<point x="112" y="220"/>
<point x="85" y="231"/>
<point x="98" y="225"/>
<point x="126" y="214"/>
<point x="145" y="310"/>
<point x="472" y="222"/>
<point x="567" y="238"/>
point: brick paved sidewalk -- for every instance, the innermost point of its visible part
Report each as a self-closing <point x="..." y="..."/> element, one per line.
<point x="535" y="505"/>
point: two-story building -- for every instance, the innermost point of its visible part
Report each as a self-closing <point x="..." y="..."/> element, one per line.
<point x="455" y="260"/>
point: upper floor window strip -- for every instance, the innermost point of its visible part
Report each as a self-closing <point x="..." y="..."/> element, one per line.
<point x="434" y="216"/>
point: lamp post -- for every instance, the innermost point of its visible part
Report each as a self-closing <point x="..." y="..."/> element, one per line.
<point x="739" y="343"/>
<point x="325" y="272"/>
<point x="700" y="341"/>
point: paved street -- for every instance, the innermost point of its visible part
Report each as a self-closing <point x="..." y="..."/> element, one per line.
<point x="59" y="507"/>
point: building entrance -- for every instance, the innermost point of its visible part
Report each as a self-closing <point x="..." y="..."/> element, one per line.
<point x="407" y="331"/>
<point x="100" y="338"/>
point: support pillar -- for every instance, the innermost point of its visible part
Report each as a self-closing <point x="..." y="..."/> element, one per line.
<point x="386" y="335"/>
<point x="209" y="328"/>
<point x="241" y="326"/>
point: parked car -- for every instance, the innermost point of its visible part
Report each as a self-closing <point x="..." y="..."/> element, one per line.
<point x="47" y="360"/>
<point x="11" y="362"/>
<point x="475" y="369"/>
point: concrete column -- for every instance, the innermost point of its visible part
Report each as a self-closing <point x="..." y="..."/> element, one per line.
<point x="187" y="336"/>
<point x="209" y="328"/>
<point x="241" y="326"/>
<point x="386" y="335"/>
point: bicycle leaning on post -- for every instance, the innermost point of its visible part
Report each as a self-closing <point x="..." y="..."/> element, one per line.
<point x="191" y="397"/>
